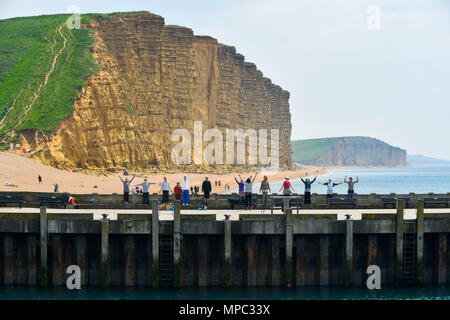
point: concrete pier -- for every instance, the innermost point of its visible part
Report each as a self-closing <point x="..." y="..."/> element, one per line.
<point x="312" y="248"/>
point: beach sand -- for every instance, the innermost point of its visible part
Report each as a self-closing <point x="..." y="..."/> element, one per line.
<point x="23" y="172"/>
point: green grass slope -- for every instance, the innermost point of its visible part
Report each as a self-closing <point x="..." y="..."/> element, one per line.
<point x="306" y="150"/>
<point x="27" y="50"/>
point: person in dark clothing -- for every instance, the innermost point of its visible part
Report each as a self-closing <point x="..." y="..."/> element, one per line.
<point x="126" y="188"/>
<point x="308" y="184"/>
<point x="178" y="191"/>
<point x="206" y="189"/>
<point x="39" y="179"/>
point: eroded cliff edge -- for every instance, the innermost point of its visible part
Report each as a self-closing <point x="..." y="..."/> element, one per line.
<point x="154" y="79"/>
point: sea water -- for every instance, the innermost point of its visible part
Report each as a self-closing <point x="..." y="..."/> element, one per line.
<point x="260" y="293"/>
<point x="419" y="180"/>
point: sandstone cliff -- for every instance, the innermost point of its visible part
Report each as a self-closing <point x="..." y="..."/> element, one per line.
<point x="348" y="151"/>
<point x="156" y="78"/>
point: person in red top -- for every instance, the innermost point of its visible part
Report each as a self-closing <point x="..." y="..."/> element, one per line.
<point x="287" y="187"/>
<point x="178" y="191"/>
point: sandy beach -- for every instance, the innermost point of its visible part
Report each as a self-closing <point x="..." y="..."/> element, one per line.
<point x="23" y="173"/>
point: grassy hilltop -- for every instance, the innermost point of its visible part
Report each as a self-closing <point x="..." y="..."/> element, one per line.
<point x="347" y="151"/>
<point x="311" y="149"/>
<point x="28" y="47"/>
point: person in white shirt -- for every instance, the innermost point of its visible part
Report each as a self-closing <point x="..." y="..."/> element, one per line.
<point x="185" y="186"/>
<point x="165" y="188"/>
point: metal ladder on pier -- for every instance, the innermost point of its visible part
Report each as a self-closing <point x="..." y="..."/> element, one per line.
<point x="410" y="252"/>
<point x="166" y="254"/>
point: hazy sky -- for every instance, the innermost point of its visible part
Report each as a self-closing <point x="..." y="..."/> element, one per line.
<point x="345" y="78"/>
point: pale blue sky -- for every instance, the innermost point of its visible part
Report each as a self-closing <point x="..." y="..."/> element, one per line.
<point x="344" y="79"/>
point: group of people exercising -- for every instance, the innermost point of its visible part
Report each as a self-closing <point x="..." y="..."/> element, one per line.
<point x="245" y="187"/>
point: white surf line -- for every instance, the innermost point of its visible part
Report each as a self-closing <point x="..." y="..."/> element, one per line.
<point x="43" y="84"/>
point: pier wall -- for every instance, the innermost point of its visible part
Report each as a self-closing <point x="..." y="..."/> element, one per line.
<point x="258" y="250"/>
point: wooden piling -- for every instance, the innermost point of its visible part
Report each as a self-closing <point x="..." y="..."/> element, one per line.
<point x="8" y="261"/>
<point x="43" y="247"/>
<point x="176" y="245"/>
<point x="227" y="253"/>
<point x="420" y="241"/>
<point x="348" y="253"/>
<point x="289" y="227"/>
<point x="442" y="258"/>
<point x="399" y="242"/>
<point x="275" y="267"/>
<point x="155" y="244"/>
<point x="105" y="253"/>
<point x="80" y="257"/>
<point x="324" y="276"/>
<point x="31" y="259"/>
<point x="57" y="260"/>
<point x="252" y="247"/>
<point x="130" y="260"/>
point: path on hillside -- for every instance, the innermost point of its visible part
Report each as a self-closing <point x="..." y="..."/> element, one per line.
<point x="42" y="85"/>
<point x="2" y="124"/>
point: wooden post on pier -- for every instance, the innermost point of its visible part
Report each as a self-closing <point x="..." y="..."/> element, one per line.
<point x="155" y="244"/>
<point x="289" y="240"/>
<point x="105" y="253"/>
<point x="399" y="242"/>
<point x="227" y="253"/>
<point x="420" y="240"/>
<point x="43" y="246"/>
<point x="176" y="244"/>
<point x="348" y="252"/>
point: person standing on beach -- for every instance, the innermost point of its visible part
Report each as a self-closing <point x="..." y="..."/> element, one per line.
<point x="165" y="189"/>
<point x="265" y="189"/>
<point x="126" y="188"/>
<point x="308" y="184"/>
<point x="55" y="187"/>
<point x="248" y="189"/>
<point x="145" y="190"/>
<point x="287" y="187"/>
<point x="330" y="185"/>
<point x="206" y="189"/>
<point x="351" y="186"/>
<point x="39" y="179"/>
<point x="185" y="185"/>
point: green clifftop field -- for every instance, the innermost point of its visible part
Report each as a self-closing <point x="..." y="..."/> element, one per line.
<point x="43" y="65"/>
<point x="347" y="151"/>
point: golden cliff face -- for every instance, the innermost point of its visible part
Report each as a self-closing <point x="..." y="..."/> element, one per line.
<point x="155" y="79"/>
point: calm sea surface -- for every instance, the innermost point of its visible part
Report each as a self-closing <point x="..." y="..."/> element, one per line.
<point x="421" y="180"/>
<point x="410" y="293"/>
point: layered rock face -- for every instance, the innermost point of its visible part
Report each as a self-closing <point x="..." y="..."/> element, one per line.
<point x="155" y="79"/>
<point x="361" y="151"/>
